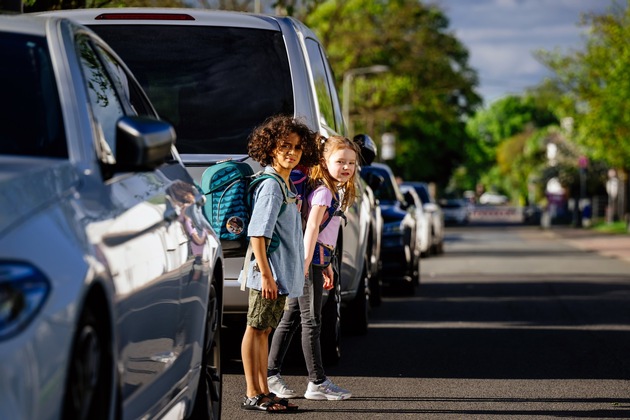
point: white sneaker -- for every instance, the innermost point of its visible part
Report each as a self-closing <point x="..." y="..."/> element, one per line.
<point x="327" y="390"/>
<point x="278" y="386"/>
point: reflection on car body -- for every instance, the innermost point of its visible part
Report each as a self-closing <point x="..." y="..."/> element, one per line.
<point x="104" y="312"/>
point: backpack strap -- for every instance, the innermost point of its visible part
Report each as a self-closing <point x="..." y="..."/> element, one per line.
<point x="332" y="211"/>
<point x="242" y="277"/>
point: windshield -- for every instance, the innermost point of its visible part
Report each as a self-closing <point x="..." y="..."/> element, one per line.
<point x="30" y="115"/>
<point x="213" y="84"/>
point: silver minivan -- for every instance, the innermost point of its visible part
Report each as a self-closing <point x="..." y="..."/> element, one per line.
<point x="215" y="75"/>
<point x="110" y="277"/>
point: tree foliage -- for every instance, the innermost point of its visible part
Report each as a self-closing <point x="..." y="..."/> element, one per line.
<point x="595" y="82"/>
<point x="509" y="144"/>
<point x="428" y="92"/>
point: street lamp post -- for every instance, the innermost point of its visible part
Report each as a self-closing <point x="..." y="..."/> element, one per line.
<point x="348" y="76"/>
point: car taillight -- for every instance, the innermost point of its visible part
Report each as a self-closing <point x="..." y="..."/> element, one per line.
<point x="23" y="291"/>
<point x="144" y="16"/>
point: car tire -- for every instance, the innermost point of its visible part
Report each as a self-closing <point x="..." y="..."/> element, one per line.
<point x="88" y="392"/>
<point x="330" y="336"/>
<point x="208" y="397"/>
<point x="356" y="314"/>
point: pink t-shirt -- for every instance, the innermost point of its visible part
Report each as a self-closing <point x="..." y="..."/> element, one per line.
<point x="322" y="196"/>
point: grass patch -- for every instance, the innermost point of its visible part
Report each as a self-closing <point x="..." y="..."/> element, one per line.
<point x="615" y="227"/>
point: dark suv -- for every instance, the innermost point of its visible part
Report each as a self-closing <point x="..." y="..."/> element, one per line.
<point x="399" y="254"/>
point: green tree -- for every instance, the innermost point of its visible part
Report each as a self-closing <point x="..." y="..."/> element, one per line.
<point x="596" y="80"/>
<point x="429" y="91"/>
<point x="508" y="145"/>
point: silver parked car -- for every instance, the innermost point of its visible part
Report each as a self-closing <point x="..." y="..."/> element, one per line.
<point x="456" y="211"/>
<point x="110" y="278"/>
<point x="423" y="222"/>
<point x="434" y="212"/>
<point x="216" y="75"/>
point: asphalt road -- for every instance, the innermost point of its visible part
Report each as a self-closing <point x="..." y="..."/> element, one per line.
<point x="509" y="323"/>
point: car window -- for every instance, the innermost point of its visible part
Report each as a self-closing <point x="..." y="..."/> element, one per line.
<point x="125" y="85"/>
<point x="31" y="122"/>
<point x="105" y="104"/>
<point x="385" y="192"/>
<point x="214" y="87"/>
<point x="322" y="87"/>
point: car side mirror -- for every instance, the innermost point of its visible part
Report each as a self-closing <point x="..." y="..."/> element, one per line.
<point x="368" y="149"/>
<point x="374" y="181"/>
<point x="408" y="200"/>
<point x="142" y="143"/>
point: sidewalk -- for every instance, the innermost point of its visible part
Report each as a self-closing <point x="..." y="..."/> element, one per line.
<point x="606" y="244"/>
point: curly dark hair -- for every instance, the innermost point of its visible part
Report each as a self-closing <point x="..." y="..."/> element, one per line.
<point x="264" y="140"/>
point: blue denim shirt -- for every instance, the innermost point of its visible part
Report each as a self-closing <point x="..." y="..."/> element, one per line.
<point x="288" y="260"/>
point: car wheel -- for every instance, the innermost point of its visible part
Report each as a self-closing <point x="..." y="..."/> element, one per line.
<point x="330" y="337"/>
<point x="208" y="398"/>
<point x="356" y="314"/>
<point x="439" y="248"/>
<point x="88" y="391"/>
<point x="408" y="287"/>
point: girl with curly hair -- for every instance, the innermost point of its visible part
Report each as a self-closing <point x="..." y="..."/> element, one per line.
<point x="279" y="144"/>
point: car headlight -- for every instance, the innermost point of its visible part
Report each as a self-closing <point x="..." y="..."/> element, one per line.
<point x="23" y="291"/>
<point x="392" y="227"/>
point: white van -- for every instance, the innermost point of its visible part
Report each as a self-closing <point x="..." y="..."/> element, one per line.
<point x="215" y="75"/>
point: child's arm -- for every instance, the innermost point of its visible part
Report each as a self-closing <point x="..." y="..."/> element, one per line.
<point x="269" y="288"/>
<point x="311" y="232"/>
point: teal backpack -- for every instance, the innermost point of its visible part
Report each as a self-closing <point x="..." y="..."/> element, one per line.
<point x="228" y="187"/>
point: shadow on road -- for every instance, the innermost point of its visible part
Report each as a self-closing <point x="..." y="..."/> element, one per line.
<point x="560" y="328"/>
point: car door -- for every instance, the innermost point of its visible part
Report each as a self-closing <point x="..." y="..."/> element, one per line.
<point x="141" y="238"/>
<point x="354" y="231"/>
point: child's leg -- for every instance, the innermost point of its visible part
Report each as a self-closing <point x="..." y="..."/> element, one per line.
<point x="282" y="337"/>
<point x="261" y="364"/>
<point x="251" y="359"/>
<point x="311" y="316"/>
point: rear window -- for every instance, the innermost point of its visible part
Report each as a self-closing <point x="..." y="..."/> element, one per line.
<point x="31" y="123"/>
<point x="213" y="84"/>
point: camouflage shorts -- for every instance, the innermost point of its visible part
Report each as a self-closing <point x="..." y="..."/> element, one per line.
<point x="264" y="313"/>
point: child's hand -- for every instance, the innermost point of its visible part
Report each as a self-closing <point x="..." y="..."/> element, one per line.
<point x="328" y="275"/>
<point x="269" y="288"/>
<point x="307" y="265"/>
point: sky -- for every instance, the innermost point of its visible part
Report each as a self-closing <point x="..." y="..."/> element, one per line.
<point x="501" y="36"/>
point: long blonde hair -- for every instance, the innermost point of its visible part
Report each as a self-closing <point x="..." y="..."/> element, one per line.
<point x="319" y="173"/>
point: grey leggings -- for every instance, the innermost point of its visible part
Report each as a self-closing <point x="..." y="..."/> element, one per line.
<point x="307" y="311"/>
